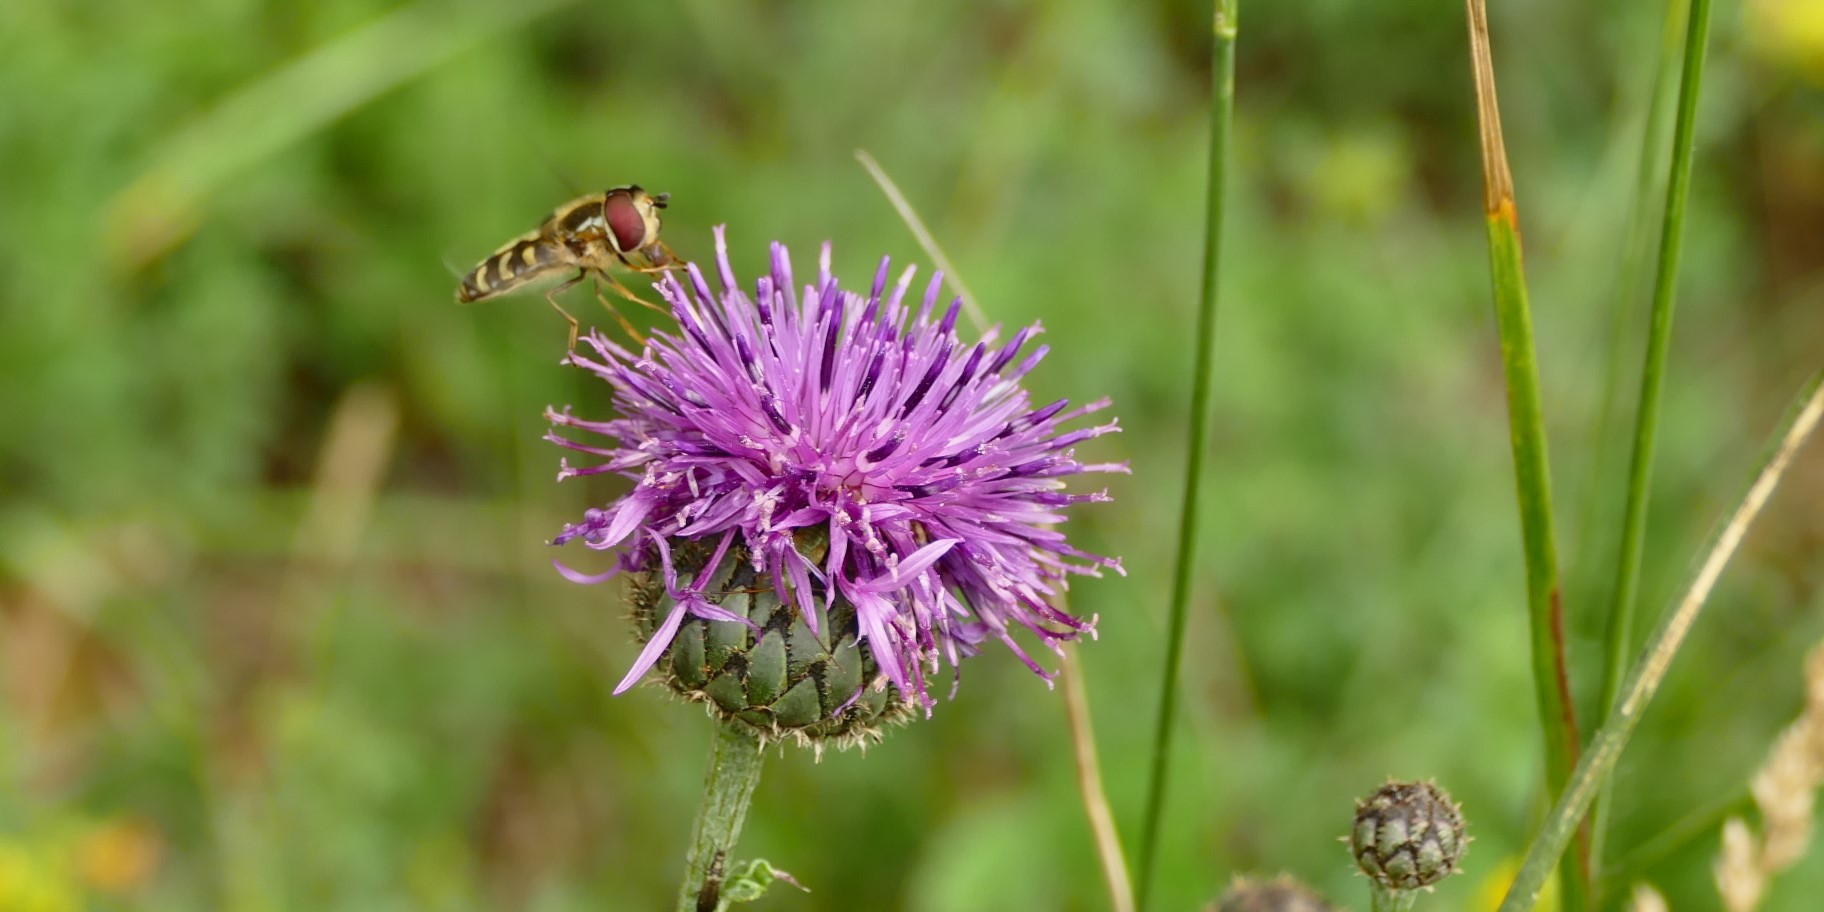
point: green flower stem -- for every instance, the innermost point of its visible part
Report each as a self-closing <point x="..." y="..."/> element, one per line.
<point x="1650" y="669"/>
<point x="1653" y="373"/>
<point x="1222" y="106"/>
<point x="1526" y="428"/>
<point x="734" y="769"/>
<point x="1383" y="899"/>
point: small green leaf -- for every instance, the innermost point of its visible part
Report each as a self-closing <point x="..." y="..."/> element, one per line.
<point x="750" y="881"/>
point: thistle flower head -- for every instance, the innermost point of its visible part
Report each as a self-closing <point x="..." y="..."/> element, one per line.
<point x="854" y="452"/>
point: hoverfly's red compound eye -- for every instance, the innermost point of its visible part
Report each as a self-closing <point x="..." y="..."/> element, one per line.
<point x="625" y="221"/>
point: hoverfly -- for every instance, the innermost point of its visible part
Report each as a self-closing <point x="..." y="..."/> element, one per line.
<point x="589" y="234"/>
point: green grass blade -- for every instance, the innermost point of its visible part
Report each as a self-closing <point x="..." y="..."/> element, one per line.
<point x="1526" y="428"/>
<point x="1222" y="107"/>
<point x="1533" y="488"/>
<point x="1619" y="638"/>
<point x="1644" y="678"/>
<point x="1699" y="822"/>
<point x="164" y="204"/>
<point x="1645" y="212"/>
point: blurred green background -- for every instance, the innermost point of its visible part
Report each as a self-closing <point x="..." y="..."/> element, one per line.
<point x="278" y="627"/>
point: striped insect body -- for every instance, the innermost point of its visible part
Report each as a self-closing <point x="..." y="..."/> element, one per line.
<point x="591" y="235"/>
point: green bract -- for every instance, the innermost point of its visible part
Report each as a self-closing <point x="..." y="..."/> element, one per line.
<point x="778" y="676"/>
<point x="1407" y="835"/>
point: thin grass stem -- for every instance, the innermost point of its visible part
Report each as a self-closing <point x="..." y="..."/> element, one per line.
<point x="1645" y="214"/>
<point x="1089" y="788"/>
<point x="1622" y="607"/>
<point x="1526" y="429"/>
<point x="1076" y="699"/>
<point x="920" y="233"/>
<point x="1662" y="647"/>
<point x="1699" y="822"/>
<point x="1224" y="26"/>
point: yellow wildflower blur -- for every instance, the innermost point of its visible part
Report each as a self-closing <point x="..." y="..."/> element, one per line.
<point x="1789" y="34"/>
<point x="1493" y="888"/>
<point x="55" y="869"/>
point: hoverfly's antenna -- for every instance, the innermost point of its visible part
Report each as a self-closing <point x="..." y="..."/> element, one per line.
<point x="661" y="200"/>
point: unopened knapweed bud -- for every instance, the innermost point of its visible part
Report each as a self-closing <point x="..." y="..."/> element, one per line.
<point x="1407" y="835"/>
<point x="1281" y="894"/>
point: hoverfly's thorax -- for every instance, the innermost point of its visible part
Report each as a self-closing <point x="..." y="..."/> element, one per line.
<point x="582" y="216"/>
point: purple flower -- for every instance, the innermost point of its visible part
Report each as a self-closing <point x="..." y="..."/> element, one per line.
<point x="766" y="420"/>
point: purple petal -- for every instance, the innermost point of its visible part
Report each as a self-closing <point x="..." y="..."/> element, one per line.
<point x="584" y="578"/>
<point x="655" y="647"/>
<point x="910" y="567"/>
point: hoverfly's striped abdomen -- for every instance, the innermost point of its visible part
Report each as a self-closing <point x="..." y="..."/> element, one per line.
<point x="524" y="260"/>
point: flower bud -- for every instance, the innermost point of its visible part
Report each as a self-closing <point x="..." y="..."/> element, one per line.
<point x="1281" y="894"/>
<point x="1407" y="835"/>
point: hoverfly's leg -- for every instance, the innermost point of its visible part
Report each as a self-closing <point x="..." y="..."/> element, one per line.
<point x="619" y="317"/>
<point x="551" y="296"/>
<point x="660" y="258"/>
<point x="623" y="291"/>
